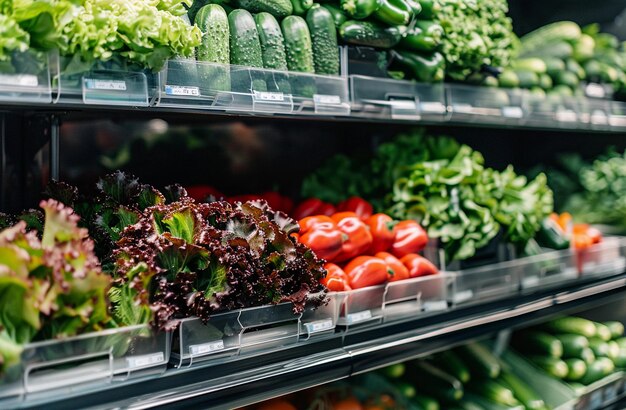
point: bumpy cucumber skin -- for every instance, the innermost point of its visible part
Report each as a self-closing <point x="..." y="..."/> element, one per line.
<point x="298" y="44"/>
<point x="368" y="33"/>
<point x="277" y="8"/>
<point x="213" y="22"/>
<point x="245" y="47"/>
<point x="272" y="42"/>
<point x="324" y="39"/>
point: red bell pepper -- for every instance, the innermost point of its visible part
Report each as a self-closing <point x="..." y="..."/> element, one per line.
<point x="325" y="243"/>
<point x="357" y="205"/>
<point x="201" y="192"/>
<point x="398" y="270"/>
<point x="358" y="234"/>
<point x="418" y="265"/>
<point x="316" y="222"/>
<point x="336" y="279"/>
<point x="410" y="238"/>
<point x="381" y="228"/>
<point x="364" y="271"/>
<point x="312" y="206"/>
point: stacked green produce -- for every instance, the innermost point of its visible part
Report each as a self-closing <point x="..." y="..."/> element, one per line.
<point x="558" y="57"/>
<point x="574" y="349"/>
<point x="443" y="185"/>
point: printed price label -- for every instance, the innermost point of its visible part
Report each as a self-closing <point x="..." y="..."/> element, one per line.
<point x="564" y="115"/>
<point x="599" y="117"/>
<point x="326" y="99"/>
<point x="463" y="108"/>
<point x="595" y="91"/>
<point x="530" y="281"/>
<point x="357" y="317"/>
<point x="463" y="296"/>
<point x="404" y="110"/>
<point x="433" y="107"/>
<point x="512" y="112"/>
<point x="319" y="326"/>
<point x="23" y="80"/>
<point x="182" y="90"/>
<point x="269" y="96"/>
<point x="145" y="360"/>
<point x="205" y="348"/>
<point x="110" y="85"/>
<point x="435" y="305"/>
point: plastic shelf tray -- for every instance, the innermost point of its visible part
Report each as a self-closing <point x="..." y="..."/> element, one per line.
<point x="65" y="365"/>
<point x="606" y="258"/>
<point x="602" y="393"/>
<point x="486" y="104"/>
<point x="25" y="78"/>
<point x="360" y="307"/>
<point x="319" y="322"/>
<point x="397" y="100"/>
<point x="412" y="297"/>
<point x="202" y="85"/>
<point x="484" y="283"/>
<point x="617" y="116"/>
<point x="595" y="113"/>
<point x="548" y="270"/>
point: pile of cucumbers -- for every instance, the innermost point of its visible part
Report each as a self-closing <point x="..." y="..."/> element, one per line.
<point x="557" y="57"/>
<point x="574" y="349"/>
<point x="468" y="377"/>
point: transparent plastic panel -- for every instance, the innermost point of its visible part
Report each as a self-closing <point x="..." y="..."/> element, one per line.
<point x="202" y="85"/>
<point x="195" y="341"/>
<point x="320" y="321"/>
<point x="606" y="258"/>
<point x="595" y="113"/>
<point x="617" y="117"/>
<point x="268" y="326"/>
<point x="567" y="111"/>
<point x="487" y="104"/>
<point x="602" y="393"/>
<point x="396" y="99"/>
<point x="412" y="297"/>
<point x="490" y="282"/>
<point x="25" y="78"/>
<point x="548" y="270"/>
<point x="68" y="364"/>
<point x="361" y="306"/>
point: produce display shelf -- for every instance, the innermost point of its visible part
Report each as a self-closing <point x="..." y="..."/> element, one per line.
<point x="49" y="83"/>
<point x="245" y="379"/>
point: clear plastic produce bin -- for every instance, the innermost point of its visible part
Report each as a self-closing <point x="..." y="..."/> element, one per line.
<point x="105" y="83"/>
<point x="318" y="322"/>
<point x="412" y="297"/>
<point x="487" y="104"/>
<point x="25" y="78"/>
<point x="398" y="100"/>
<point x="606" y="258"/>
<point x="67" y="365"/>
<point x="602" y="393"/>
<point x="202" y="85"/>
<point x="617" y="116"/>
<point x="548" y="270"/>
<point x="484" y="283"/>
<point x="595" y="113"/>
<point x="360" y="307"/>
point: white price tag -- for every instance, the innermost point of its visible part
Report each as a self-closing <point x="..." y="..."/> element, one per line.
<point x="530" y="281"/>
<point x="23" y="80"/>
<point x="269" y="96"/>
<point x="319" y="326"/>
<point x="435" y="305"/>
<point x="182" y="90"/>
<point x="404" y="110"/>
<point x="595" y="90"/>
<point x="205" y="348"/>
<point x="326" y="99"/>
<point x="599" y="117"/>
<point x="566" y="116"/>
<point x="110" y="85"/>
<point x="357" y="317"/>
<point x="463" y="108"/>
<point x="512" y="112"/>
<point x="433" y="107"/>
<point x="145" y="360"/>
<point x="463" y="296"/>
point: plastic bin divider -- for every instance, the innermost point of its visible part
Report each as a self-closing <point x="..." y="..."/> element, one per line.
<point x="258" y="332"/>
<point x="319" y="321"/>
<point x="361" y="307"/>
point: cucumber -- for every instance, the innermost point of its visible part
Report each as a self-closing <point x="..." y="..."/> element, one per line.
<point x="613" y="349"/>
<point x="533" y="64"/>
<point x="338" y="17"/>
<point x="603" y="332"/>
<point x="195" y="7"/>
<point x="425" y="402"/>
<point x="539" y="343"/>
<point x="324" y="37"/>
<point x="561" y="31"/>
<point x="406" y="390"/>
<point x="573" y="345"/>
<point x="508" y="79"/>
<point x="597" y="370"/>
<point x="480" y="360"/>
<point x="545" y="82"/>
<point x="215" y="48"/>
<point x="300" y="7"/>
<point x="527" y="79"/>
<point x="566" y="78"/>
<point x="616" y="328"/>
<point x="562" y="91"/>
<point x="600" y="347"/>
<point x="298" y="44"/>
<point x="522" y="392"/>
<point x="587" y="355"/>
<point x="620" y="359"/>
<point x="245" y="47"/>
<point x="366" y="33"/>
<point x="574" y="325"/>
<point x="584" y="47"/>
<point x="553" y="65"/>
<point x="450" y="363"/>
<point x="494" y="391"/>
<point x="277" y="8"/>
<point x="576" y="369"/>
<point x="593" y="70"/>
<point x="395" y="371"/>
<point x="554" y="367"/>
<point x="271" y="39"/>
<point x="621" y="342"/>
<point x="437" y="383"/>
<point x="578" y="388"/>
<point x="572" y="66"/>
<point x="560" y="50"/>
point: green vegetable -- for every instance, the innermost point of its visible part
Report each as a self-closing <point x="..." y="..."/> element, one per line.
<point x="584" y="48"/>
<point x="587" y="355"/>
<point x="439" y="384"/>
<point x="245" y="47"/>
<point x="600" y="347"/>
<point x="271" y="40"/>
<point x="554" y="65"/>
<point x="573" y="325"/>
<point x="535" y="65"/>
<point x="527" y="79"/>
<point x="298" y="44"/>
<point x="429" y="8"/>
<point x="616" y="328"/>
<point x="425" y="36"/>
<point x="12" y="38"/>
<point x="539" y="343"/>
<point x="393" y="12"/>
<point x="406" y="390"/>
<point x="597" y="370"/>
<point x="324" y="38"/>
<point x="574" y="67"/>
<point x="560" y="50"/>
<point x="576" y="369"/>
<point x="553" y="366"/>
<point x="522" y="391"/>
<point x="579" y="389"/>
<point x="338" y="16"/>
<point x="560" y="31"/>
<point x="603" y="332"/>
<point x="545" y="81"/>
<point x="621" y="342"/>
<point x="277" y="8"/>
<point x="300" y="7"/>
<point x="508" y="79"/>
<point x="359" y="9"/>
<point x="215" y="48"/>
<point x="550" y="235"/>
<point x="614" y="350"/>
<point x="395" y="371"/>
<point x="450" y="363"/>
<point x="196" y="5"/>
<point x="620" y="359"/>
<point x="425" y="402"/>
<point x="426" y="69"/>
<point x="371" y="34"/>
<point x="566" y="78"/>
<point x="494" y="391"/>
<point x="480" y="360"/>
<point x="573" y="345"/>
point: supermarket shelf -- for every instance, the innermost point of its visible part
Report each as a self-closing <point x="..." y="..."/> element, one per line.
<point x="251" y="378"/>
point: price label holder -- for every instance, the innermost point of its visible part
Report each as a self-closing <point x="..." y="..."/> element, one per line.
<point x="530" y="282"/>
<point x="326" y="104"/>
<point x="599" y="117"/>
<point x="513" y="112"/>
<point x="115" y="88"/>
<point x="272" y="102"/>
<point x="595" y="90"/>
<point x="319" y="326"/>
<point x="566" y="115"/>
<point x="137" y="362"/>
<point x="404" y="109"/>
<point x="432" y="107"/>
<point x="32" y="85"/>
<point x="434" y="305"/>
<point x="358" y="317"/>
<point x="462" y="108"/>
<point x="463" y="296"/>
<point x="182" y="91"/>
<point x="206" y="348"/>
